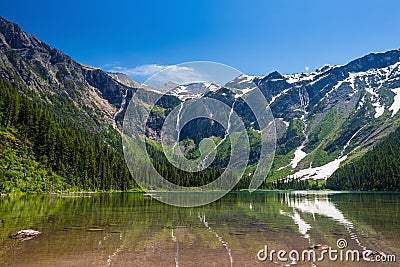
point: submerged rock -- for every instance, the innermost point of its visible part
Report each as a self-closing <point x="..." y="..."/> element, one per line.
<point x="25" y="234"/>
<point x="319" y="247"/>
<point x="95" y="229"/>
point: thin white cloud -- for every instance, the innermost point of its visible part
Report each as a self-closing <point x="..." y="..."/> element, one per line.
<point x="178" y="74"/>
<point x="143" y="70"/>
<point x="172" y="73"/>
<point x="188" y="72"/>
<point x="307" y="68"/>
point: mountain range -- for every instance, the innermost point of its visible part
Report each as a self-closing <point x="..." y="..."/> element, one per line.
<point x="325" y="119"/>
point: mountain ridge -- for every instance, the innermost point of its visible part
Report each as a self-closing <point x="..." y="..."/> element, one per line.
<point x="30" y="63"/>
<point x="334" y="112"/>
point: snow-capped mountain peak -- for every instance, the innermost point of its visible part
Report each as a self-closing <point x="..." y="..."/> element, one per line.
<point x="193" y="90"/>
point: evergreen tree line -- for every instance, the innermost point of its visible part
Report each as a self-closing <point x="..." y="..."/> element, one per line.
<point x="188" y="179"/>
<point x="85" y="161"/>
<point x="294" y="184"/>
<point x="178" y="176"/>
<point x="378" y="169"/>
<point x="82" y="160"/>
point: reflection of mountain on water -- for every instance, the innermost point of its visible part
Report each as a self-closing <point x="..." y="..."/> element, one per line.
<point x="304" y="227"/>
<point x="316" y="204"/>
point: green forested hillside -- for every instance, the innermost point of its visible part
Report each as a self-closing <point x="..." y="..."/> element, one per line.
<point x="41" y="152"/>
<point x="378" y="169"/>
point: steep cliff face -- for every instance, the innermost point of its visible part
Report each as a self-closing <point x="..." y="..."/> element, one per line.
<point x="85" y="93"/>
<point x="323" y="117"/>
<point x="333" y="113"/>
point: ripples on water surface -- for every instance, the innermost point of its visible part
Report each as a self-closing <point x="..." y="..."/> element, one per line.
<point x="131" y="229"/>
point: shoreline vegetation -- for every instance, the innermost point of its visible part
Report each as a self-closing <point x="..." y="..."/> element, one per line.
<point x="150" y="193"/>
<point x="42" y="152"/>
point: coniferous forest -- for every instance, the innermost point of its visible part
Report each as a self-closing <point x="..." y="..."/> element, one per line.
<point x="41" y="152"/>
<point x="377" y="170"/>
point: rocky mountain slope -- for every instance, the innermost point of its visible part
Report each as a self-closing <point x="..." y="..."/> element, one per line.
<point x="337" y="111"/>
<point x="88" y="95"/>
<point x="324" y="118"/>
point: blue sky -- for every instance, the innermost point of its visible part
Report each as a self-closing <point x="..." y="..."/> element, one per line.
<point x="255" y="37"/>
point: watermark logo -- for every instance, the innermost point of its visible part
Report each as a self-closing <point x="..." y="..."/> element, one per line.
<point x="341" y="243"/>
<point x="321" y="253"/>
<point x="217" y="106"/>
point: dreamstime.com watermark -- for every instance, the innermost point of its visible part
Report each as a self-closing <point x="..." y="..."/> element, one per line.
<point x="318" y="255"/>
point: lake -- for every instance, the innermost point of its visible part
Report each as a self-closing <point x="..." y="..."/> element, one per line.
<point x="133" y="229"/>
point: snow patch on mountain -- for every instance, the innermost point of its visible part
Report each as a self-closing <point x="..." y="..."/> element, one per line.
<point x="361" y="103"/>
<point x="193" y="90"/>
<point x="375" y="100"/>
<point x="370" y="81"/>
<point x="246" y="90"/>
<point x="279" y="95"/>
<point x="245" y="79"/>
<point x="241" y="92"/>
<point x="395" y="107"/>
<point x="299" y="154"/>
<point x="319" y="173"/>
<point x="350" y="81"/>
<point x="300" y="77"/>
<point x="181" y="89"/>
<point x="379" y="110"/>
<point x="213" y="87"/>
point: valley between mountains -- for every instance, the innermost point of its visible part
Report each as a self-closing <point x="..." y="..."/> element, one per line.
<point x="60" y="122"/>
